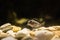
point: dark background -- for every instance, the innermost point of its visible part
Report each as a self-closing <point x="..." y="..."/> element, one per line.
<point x="30" y="9"/>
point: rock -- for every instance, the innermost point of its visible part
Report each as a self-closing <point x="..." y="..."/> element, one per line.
<point x="11" y="33"/>
<point x="9" y="38"/>
<point x="24" y="32"/>
<point x="56" y="27"/>
<point x="56" y="37"/>
<point x="51" y="29"/>
<point x="34" y="24"/>
<point x="6" y="27"/>
<point x="44" y="35"/>
<point x="3" y="35"/>
<point x="16" y="29"/>
<point x="27" y="38"/>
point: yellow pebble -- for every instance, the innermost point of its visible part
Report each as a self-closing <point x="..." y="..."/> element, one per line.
<point x="15" y="29"/>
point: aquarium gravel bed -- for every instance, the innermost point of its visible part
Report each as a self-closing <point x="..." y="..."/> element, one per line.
<point x="38" y="32"/>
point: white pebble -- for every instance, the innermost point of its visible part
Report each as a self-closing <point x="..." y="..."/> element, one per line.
<point x="44" y="35"/>
<point x="9" y="38"/>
